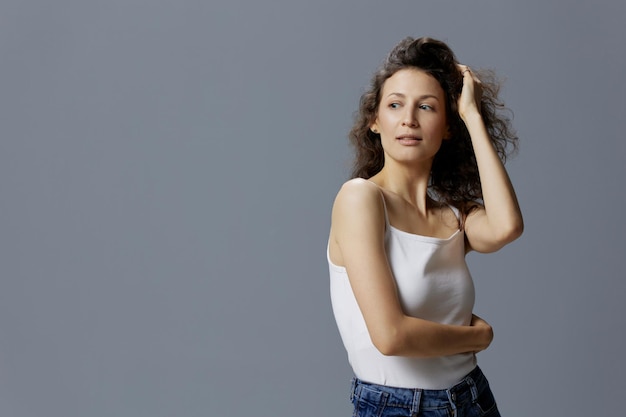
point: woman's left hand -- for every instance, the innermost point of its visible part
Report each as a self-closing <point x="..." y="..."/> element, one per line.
<point x="471" y="94"/>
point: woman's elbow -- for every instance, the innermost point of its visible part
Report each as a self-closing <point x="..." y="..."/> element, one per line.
<point x="498" y="239"/>
<point x="388" y="342"/>
<point x="513" y="231"/>
<point x="508" y="233"/>
<point x="387" y="349"/>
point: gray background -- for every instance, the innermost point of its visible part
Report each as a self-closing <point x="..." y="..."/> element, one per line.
<point x="167" y="171"/>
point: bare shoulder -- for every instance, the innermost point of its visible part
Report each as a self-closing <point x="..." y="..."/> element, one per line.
<point x="358" y="188"/>
<point x="358" y="196"/>
<point x="358" y="208"/>
<point x="358" y="220"/>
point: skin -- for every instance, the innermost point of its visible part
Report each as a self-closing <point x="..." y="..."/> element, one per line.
<point x="411" y="120"/>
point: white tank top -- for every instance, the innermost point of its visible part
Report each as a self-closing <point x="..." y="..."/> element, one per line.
<point x="434" y="284"/>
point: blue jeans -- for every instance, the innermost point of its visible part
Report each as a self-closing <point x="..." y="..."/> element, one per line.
<point x="471" y="397"/>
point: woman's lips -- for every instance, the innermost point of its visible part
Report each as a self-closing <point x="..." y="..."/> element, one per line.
<point x="408" y="139"/>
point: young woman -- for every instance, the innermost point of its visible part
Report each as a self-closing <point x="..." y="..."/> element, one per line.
<point x="429" y="185"/>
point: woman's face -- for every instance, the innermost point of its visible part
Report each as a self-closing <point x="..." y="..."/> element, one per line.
<point x="411" y="118"/>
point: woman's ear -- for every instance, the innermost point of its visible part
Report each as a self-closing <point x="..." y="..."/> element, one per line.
<point x="374" y="128"/>
<point x="447" y="135"/>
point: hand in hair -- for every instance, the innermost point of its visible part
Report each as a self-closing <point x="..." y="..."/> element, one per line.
<point x="471" y="94"/>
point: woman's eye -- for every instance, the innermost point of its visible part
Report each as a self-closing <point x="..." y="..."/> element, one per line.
<point x="394" y="105"/>
<point x="425" y="107"/>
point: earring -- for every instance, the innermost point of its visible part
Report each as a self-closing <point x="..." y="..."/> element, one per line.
<point x="374" y="130"/>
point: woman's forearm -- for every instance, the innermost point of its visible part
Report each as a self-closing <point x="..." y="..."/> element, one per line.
<point x="422" y="338"/>
<point x="504" y="217"/>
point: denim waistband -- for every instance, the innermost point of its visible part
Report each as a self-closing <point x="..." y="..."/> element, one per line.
<point x="465" y="391"/>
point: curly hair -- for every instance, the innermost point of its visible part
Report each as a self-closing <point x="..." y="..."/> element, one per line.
<point x="454" y="174"/>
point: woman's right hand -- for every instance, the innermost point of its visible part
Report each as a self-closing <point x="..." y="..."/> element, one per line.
<point x="486" y="331"/>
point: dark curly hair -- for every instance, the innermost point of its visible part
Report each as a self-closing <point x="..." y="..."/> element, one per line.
<point x="454" y="175"/>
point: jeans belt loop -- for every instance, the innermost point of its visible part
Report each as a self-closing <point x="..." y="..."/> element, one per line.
<point x="452" y="399"/>
<point x="353" y="388"/>
<point x="473" y="388"/>
<point x="417" y="400"/>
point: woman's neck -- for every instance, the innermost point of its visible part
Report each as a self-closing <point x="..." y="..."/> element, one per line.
<point x="409" y="184"/>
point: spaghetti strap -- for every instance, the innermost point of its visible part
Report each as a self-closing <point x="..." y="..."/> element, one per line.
<point x="456" y="212"/>
<point x="382" y="196"/>
<point x="458" y="215"/>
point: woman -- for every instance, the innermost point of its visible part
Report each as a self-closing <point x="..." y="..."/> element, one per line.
<point x="429" y="186"/>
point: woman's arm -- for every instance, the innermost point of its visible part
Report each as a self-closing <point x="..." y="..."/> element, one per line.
<point x="358" y="228"/>
<point x="499" y="221"/>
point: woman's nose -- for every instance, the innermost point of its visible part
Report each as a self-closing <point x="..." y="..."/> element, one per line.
<point x="410" y="120"/>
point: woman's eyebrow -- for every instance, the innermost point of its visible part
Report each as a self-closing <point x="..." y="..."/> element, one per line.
<point x="423" y="96"/>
